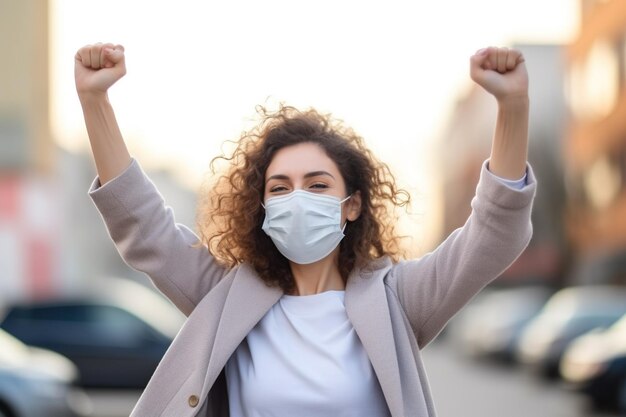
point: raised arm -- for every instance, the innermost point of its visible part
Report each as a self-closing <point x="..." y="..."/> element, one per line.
<point x="96" y="68"/>
<point x="502" y="73"/>
<point x="142" y="226"/>
<point x="434" y="288"/>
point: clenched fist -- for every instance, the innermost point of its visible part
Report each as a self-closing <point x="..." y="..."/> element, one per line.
<point x="500" y="71"/>
<point x="97" y="67"/>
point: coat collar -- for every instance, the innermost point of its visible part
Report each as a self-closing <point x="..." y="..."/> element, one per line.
<point x="249" y="299"/>
<point x="368" y="311"/>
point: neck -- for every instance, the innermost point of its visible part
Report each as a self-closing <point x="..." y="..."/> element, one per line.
<point x="318" y="277"/>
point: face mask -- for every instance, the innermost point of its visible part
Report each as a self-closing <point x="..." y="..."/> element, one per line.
<point x="304" y="226"/>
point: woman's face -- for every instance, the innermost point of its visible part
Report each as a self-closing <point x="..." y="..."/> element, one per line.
<point x="306" y="166"/>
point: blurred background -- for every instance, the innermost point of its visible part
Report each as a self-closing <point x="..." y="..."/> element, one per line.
<point x="547" y="338"/>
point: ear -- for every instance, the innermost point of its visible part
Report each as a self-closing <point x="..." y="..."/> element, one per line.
<point x="353" y="206"/>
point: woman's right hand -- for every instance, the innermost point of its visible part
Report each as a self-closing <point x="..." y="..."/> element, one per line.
<point x="97" y="67"/>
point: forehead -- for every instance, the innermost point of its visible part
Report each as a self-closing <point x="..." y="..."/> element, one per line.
<point x="297" y="160"/>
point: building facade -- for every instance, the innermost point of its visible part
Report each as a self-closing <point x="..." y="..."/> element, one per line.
<point x="595" y="143"/>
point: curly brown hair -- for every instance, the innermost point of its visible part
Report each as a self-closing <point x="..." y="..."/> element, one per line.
<point x="230" y="214"/>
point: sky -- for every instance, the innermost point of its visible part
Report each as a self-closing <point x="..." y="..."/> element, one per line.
<point x="196" y="70"/>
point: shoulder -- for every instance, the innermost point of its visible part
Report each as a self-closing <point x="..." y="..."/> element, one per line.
<point x="373" y="272"/>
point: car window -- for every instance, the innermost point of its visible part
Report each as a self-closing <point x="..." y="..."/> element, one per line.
<point x="115" y="321"/>
<point x="584" y="323"/>
<point x="88" y="324"/>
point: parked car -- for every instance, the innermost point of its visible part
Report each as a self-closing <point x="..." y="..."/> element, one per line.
<point x="567" y="315"/>
<point x="116" y="335"/>
<point x="491" y="326"/>
<point x="596" y="365"/>
<point x="37" y="382"/>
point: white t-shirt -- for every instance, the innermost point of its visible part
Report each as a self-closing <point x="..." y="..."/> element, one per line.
<point x="304" y="359"/>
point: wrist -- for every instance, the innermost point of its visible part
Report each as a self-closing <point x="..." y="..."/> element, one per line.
<point x="93" y="97"/>
<point x="514" y="101"/>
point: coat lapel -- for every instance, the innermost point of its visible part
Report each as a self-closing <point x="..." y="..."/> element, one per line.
<point x="247" y="302"/>
<point x="367" y="308"/>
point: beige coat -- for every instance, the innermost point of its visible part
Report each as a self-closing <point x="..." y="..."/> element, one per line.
<point x="396" y="309"/>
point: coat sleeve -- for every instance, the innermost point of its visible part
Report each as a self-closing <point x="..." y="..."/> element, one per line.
<point x="434" y="288"/>
<point x="149" y="240"/>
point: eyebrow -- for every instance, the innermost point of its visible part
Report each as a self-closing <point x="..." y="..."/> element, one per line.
<point x="307" y="175"/>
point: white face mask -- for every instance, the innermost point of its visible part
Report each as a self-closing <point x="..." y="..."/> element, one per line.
<point x="304" y="226"/>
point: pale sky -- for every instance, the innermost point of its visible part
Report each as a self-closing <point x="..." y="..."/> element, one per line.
<point x="196" y="69"/>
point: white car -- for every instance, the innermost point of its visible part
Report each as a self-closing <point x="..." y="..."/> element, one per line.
<point x="37" y="382"/>
<point x="570" y="313"/>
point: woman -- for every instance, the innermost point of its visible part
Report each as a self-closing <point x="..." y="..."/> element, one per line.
<point x="286" y="315"/>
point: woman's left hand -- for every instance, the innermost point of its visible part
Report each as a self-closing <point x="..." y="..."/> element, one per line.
<point x="500" y="71"/>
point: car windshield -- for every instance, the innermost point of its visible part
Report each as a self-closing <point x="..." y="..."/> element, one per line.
<point x="575" y="301"/>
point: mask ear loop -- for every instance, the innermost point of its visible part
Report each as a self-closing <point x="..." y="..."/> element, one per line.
<point x="341" y="202"/>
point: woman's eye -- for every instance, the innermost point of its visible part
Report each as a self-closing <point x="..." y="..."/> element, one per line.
<point x="319" y="186"/>
<point x="278" y="188"/>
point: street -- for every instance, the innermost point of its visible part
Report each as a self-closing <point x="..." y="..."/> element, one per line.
<point x="460" y="388"/>
<point x="466" y="388"/>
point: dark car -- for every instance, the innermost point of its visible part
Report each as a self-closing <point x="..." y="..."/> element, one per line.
<point x="37" y="382"/>
<point x="569" y="314"/>
<point x="491" y="326"/>
<point x="596" y="365"/>
<point x="116" y="336"/>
